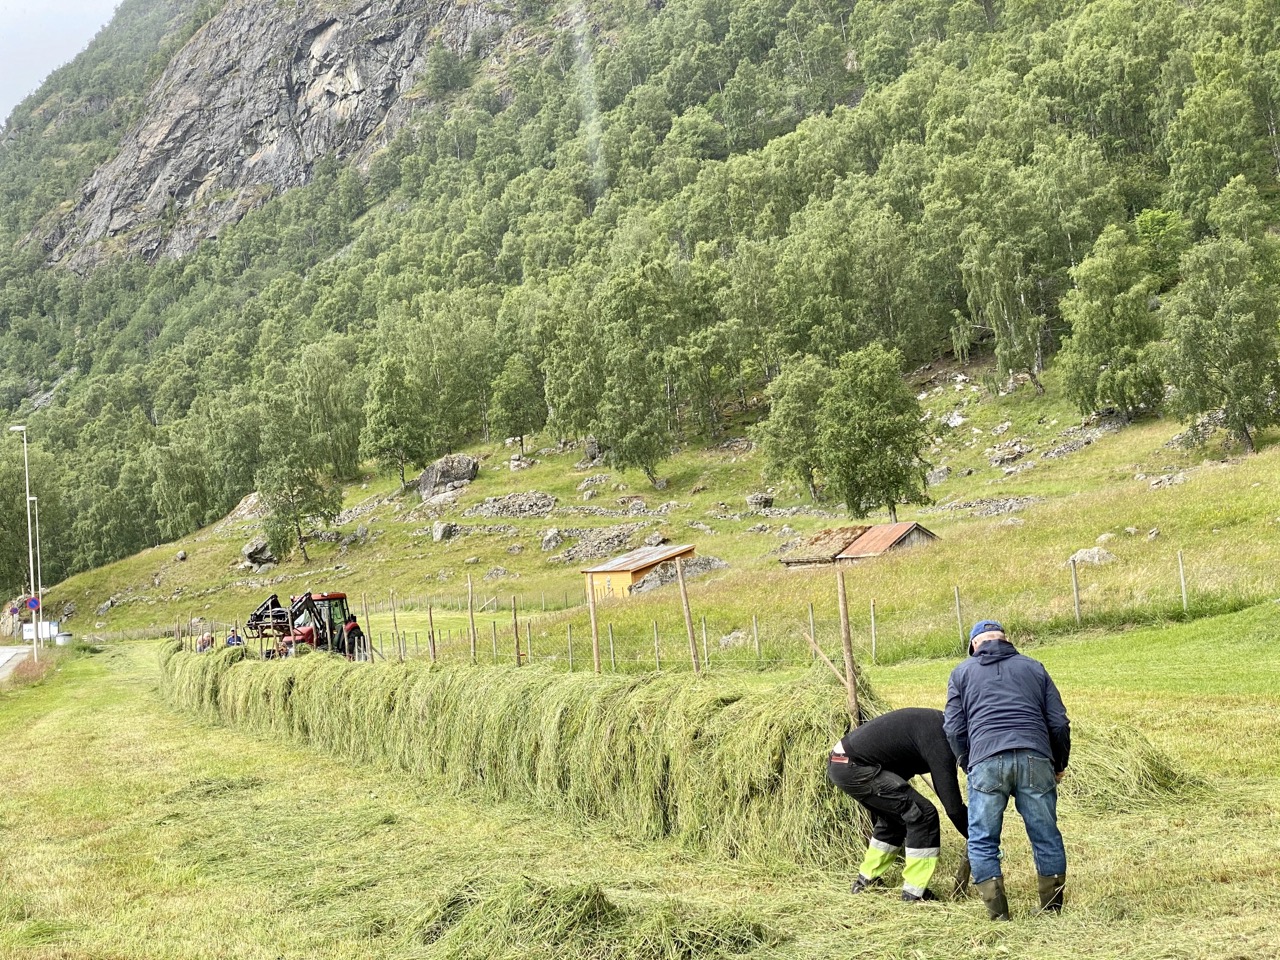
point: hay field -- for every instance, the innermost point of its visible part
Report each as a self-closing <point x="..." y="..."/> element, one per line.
<point x="130" y="829"/>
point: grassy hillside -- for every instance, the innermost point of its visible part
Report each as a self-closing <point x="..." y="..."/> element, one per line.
<point x="1010" y="565"/>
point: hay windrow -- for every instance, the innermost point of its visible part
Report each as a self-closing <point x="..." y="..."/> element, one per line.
<point x="714" y="763"/>
<point x="484" y="918"/>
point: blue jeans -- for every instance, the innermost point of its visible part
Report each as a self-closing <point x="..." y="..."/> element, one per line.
<point x="1028" y="778"/>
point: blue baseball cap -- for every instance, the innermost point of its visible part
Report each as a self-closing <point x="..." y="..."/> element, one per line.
<point x="984" y="626"/>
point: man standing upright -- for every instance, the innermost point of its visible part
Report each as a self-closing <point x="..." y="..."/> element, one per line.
<point x="1008" y="727"/>
<point x="872" y="763"/>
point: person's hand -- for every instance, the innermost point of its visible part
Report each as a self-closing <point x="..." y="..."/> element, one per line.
<point x="1057" y="777"/>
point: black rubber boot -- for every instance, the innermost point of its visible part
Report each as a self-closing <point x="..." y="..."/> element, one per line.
<point x="864" y="883"/>
<point x="927" y="897"/>
<point x="1051" y="893"/>
<point x="992" y="893"/>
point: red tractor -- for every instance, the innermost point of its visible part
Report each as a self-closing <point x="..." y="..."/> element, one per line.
<point x="315" y="620"/>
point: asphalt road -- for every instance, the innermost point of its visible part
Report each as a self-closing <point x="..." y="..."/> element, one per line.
<point x="10" y="657"/>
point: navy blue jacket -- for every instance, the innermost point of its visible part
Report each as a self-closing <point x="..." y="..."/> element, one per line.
<point x="999" y="700"/>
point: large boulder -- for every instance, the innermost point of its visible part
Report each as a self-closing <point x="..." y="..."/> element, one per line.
<point x="451" y="468"/>
<point x="665" y="573"/>
<point x="1093" y="555"/>
<point x="257" y="551"/>
<point x="443" y="530"/>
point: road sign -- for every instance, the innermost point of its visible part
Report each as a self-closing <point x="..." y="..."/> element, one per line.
<point x="33" y="603"/>
<point x="14" y="611"/>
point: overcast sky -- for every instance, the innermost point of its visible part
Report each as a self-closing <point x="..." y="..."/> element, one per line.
<point x="38" y="36"/>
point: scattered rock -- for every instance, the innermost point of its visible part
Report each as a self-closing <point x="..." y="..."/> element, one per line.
<point x="992" y="507"/>
<point x="737" y="445"/>
<point x="443" y="530"/>
<point x="453" y="468"/>
<point x="1002" y="429"/>
<point x="593" y="454"/>
<point x="665" y="573"/>
<point x="497" y="573"/>
<point x="759" y="528"/>
<point x="1131" y="531"/>
<point x="265" y="568"/>
<point x="760" y="501"/>
<point x="514" y="549"/>
<point x="471" y="561"/>
<point x="701" y="527"/>
<point x="1104" y="537"/>
<point x="737" y="638"/>
<point x="257" y="551"/>
<point x="530" y="504"/>
<point x="1199" y="432"/>
<point x="596" y="542"/>
<point x="1011" y="522"/>
<point x="953" y="419"/>
<point x="594" y="480"/>
<point x="656" y="540"/>
<point x="699" y="488"/>
<point x="105" y="607"/>
<point x="182" y="556"/>
<point x="1008" y="452"/>
<point x="519" y="462"/>
<point x="1153" y="533"/>
<point x="1095" y="556"/>
<point x="1168" y="480"/>
<point x="936" y="476"/>
<point x="551" y="540"/>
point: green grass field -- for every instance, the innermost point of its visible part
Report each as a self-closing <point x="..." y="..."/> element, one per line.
<point x="132" y="830"/>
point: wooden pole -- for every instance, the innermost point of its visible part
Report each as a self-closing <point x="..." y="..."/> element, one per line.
<point x="818" y="654"/>
<point x="846" y="642"/>
<point x="706" y="658"/>
<point x="959" y="619"/>
<point x="494" y="625"/>
<point x="570" y="628"/>
<point x="395" y="623"/>
<point x="755" y="633"/>
<point x="595" y="627"/>
<point x="873" y="631"/>
<point x="417" y="652"/>
<point x="515" y="627"/>
<point x="1075" y="589"/>
<point x="431" y="631"/>
<point x="613" y="659"/>
<point x="1182" y="579"/>
<point x="812" y="630"/>
<point x="471" y="615"/>
<point x="688" y="616"/>
<point x="528" y="639"/>
<point x="368" y="625"/>
<point x="657" y="648"/>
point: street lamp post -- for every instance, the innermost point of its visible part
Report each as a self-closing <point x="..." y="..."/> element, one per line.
<point x="31" y="549"/>
<point x="39" y="574"/>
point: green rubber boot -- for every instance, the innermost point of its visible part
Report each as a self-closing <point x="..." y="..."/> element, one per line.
<point x="992" y="893"/>
<point x="1051" y="893"/>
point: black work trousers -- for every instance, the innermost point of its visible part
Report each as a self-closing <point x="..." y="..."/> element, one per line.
<point x="900" y="816"/>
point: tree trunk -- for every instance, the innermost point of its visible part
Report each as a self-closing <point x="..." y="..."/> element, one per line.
<point x="893" y="512"/>
<point x="1247" y="438"/>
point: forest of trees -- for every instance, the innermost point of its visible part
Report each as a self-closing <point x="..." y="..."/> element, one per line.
<point x="634" y="234"/>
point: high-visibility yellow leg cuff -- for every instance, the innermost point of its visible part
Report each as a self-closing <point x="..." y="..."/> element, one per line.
<point x="916" y="874"/>
<point x="878" y="859"/>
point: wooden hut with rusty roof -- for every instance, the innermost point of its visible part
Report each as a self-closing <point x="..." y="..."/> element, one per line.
<point x="845" y="545"/>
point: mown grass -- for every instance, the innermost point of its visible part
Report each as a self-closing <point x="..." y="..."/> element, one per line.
<point x="131" y="831"/>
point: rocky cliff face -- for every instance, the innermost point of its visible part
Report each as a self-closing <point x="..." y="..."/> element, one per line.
<point x="247" y="107"/>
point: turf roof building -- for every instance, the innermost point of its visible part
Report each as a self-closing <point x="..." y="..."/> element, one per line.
<point x="616" y="577"/>
<point x="846" y="545"/>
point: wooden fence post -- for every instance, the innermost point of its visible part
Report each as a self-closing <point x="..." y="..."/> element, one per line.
<point x="613" y="660"/>
<point x="846" y="642"/>
<point x="528" y="640"/>
<point x="959" y="619"/>
<point x="873" y="630"/>
<point x="706" y="657"/>
<point x="1075" y="589"/>
<point x="471" y="615"/>
<point x="395" y="623"/>
<point x="755" y="633"/>
<point x="431" y="631"/>
<point x="688" y="616"/>
<point x="570" y="628"/>
<point x="595" y="627"/>
<point x="1182" y="579"/>
<point x="515" y="627"/>
<point x="494" y="625"/>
